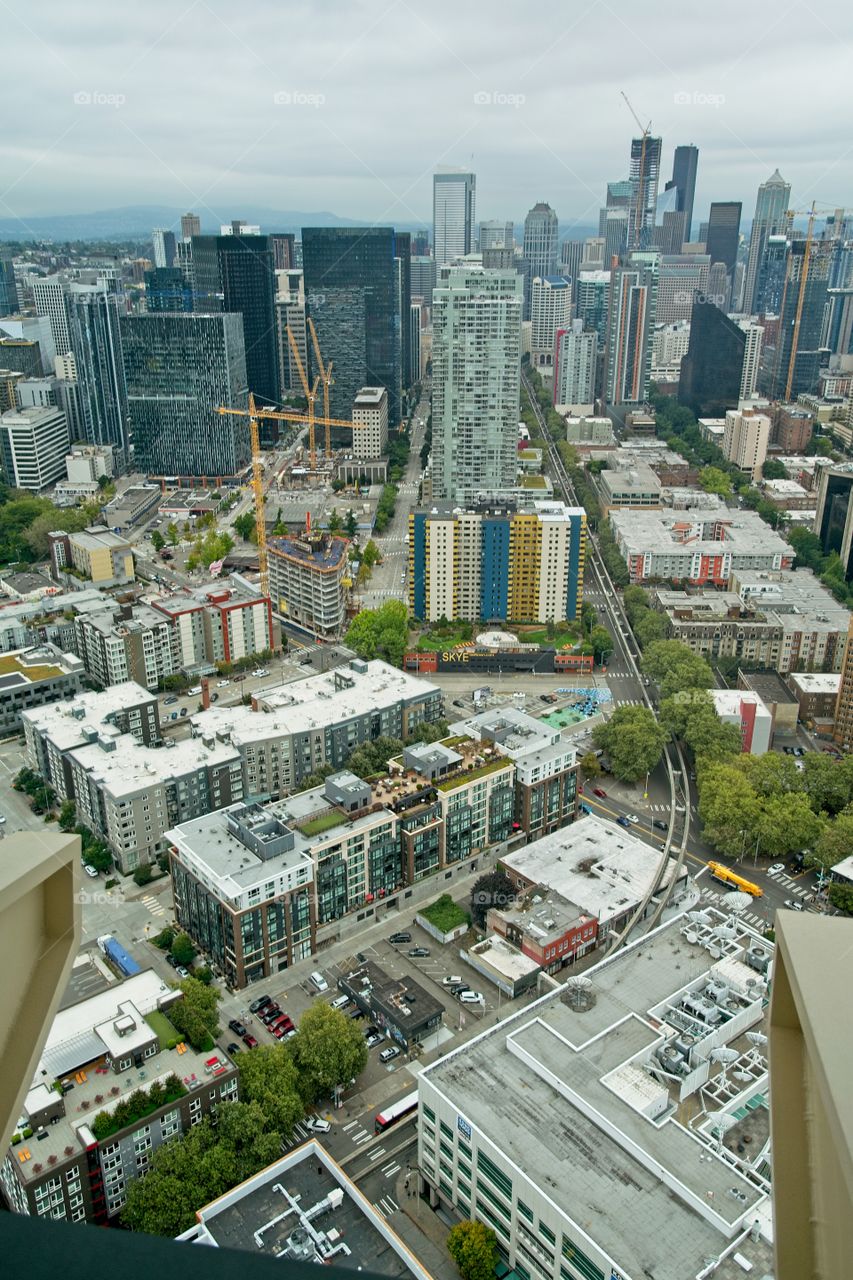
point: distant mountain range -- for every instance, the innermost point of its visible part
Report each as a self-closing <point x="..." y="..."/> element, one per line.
<point x="137" y="221"/>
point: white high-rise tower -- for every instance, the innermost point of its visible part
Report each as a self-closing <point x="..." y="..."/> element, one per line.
<point x="454" y="194"/>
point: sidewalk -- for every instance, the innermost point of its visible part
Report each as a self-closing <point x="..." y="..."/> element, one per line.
<point x="422" y="1229"/>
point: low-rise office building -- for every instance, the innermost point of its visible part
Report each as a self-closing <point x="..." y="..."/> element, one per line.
<point x="602" y="1157"/>
<point x="545" y="927"/>
<point x="33" y="677"/>
<point x="400" y="1007"/>
<point x="697" y="547"/>
<point x="370" y="423"/>
<point x="33" y="444"/>
<point x="96" y="554"/>
<point x="85" y="1133"/>
<point x="773" y="691"/>
<point x="747" y="712"/>
<point x="635" y="486"/>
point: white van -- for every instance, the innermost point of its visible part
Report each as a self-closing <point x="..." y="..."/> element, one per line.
<point x="471" y="997"/>
<point x="319" y="981"/>
<point x="339" y="1002"/>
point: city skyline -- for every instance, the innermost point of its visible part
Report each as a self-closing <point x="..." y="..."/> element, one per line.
<point x="102" y="135"/>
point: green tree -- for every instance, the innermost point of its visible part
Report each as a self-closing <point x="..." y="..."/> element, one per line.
<point x="787" y="824"/>
<point x="590" y="765"/>
<point x="841" y="897"/>
<point x="183" y="949"/>
<point x="589" y="616"/>
<point x="380" y="633"/>
<point x="244" y="526"/>
<point x="473" y="1247"/>
<point x="213" y="546"/>
<point x="372" y="554"/>
<point x="68" y="816"/>
<point x="196" y="1015"/>
<point x="633" y="740"/>
<point x="158" y="542"/>
<point x="711" y="739"/>
<point x="674" y="667"/>
<point x="773" y="469"/>
<point x="334" y="523"/>
<point x="713" y="480"/>
<point x="729" y="809"/>
<point x="372" y="757"/>
<point x="835" y="842"/>
<point x="351" y="524"/>
<point x="328" y="1050"/>
<point x="602" y="642"/>
<point x="771" y="774"/>
<point x="634" y="599"/>
<point x="494" y="889"/>
<point x="164" y="938"/>
<point x="648" y="627"/>
<point x="825" y="781"/>
<point x="268" y="1077"/>
<point x="173" y="533"/>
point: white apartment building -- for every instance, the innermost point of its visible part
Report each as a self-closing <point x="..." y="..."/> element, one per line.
<point x="751" y="357"/>
<point x="550" y="311"/>
<point x="370" y="423"/>
<point x="669" y="345"/>
<point x="33" y="444"/>
<point x="49" y="296"/>
<point x="745" y="440"/>
<point x="476" y="354"/>
<point x="575" y="354"/>
<point x="90" y="462"/>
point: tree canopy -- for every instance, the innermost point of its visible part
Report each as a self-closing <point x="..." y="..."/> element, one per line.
<point x="494" y="889"/>
<point x="268" y="1076"/>
<point x="633" y="741"/>
<point x="196" y="1015"/>
<point x="328" y="1050"/>
<point x="674" y="667"/>
<point x="380" y="633"/>
<point x="473" y="1247"/>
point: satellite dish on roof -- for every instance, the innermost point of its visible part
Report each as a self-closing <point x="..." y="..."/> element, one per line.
<point x="726" y="932"/>
<point x="699" y="917"/>
<point x="691" y="936"/>
<point x="736" y="901"/>
<point x="724" y="1055"/>
<point x="721" y="1121"/>
<point x="579" y="995"/>
<point x="756" y="1037"/>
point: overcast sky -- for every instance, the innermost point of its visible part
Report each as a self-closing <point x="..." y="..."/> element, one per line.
<point x="349" y="106"/>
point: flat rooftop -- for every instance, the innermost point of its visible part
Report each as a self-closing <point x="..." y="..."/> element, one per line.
<point x="98" y="539"/>
<point x="770" y="686"/>
<point x="816" y="682"/>
<point x="64" y="721"/>
<point x="597" y="865"/>
<point x="269" y="1212"/>
<point x="571" y="1091"/>
<point x="126" y="767"/>
<point x="709" y="531"/>
<point x="507" y="962"/>
<point x="28" y="666"/>
<point x="316" y="702"/>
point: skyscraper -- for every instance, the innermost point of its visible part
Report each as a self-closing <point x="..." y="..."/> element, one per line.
<point x="571" y="256"/>
<point x="454" y="193"/>
<point x="236" y="273"/>
<point x="167" y="289"/>
<point x="352" y="292"/>
<point x="178" y="369"/>
<point x="423" y="278"/>
<point x="49" y="300"/>
<point x="550" y="310"/>
<point x="712" y="370"/>
<point x="685" y="162"/>
<point x="496" y="235"/>
<point x="834" y="519"/>
<point x="539" y="254"/>
<point x="575" y="353"/>
<point x="630" y="327"/>
<point x="723" y="234"/>
<point x="644" y="176"/>
<point x="403" y="251"/>
<point x="290" y="313"/>
<point x="93" y="322"/>
<point x="771" y="204"/>
<point x="770" y="277"/>
<point x="283" y="250"/>
<point x="792" y="364"/>
<point x="591" y="290"/>
<point x="8" y="287"/>
<point x="190" y="226"/>
<point x="476" y="354"/>
<point x="164" y="247"/>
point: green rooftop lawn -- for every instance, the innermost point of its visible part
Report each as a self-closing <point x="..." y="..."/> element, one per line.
<point x="323" y="822"/>
<point x="10" y="665"/>
<point x="471" y="775"/>
<point x="445" y="914"/>
<point x="533" y="482"/>
<point x="163" y="1029"/>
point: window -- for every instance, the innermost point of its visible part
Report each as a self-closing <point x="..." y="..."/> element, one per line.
<point x="524" y="1211"/>
<point x="428" y="1112"/>
<point x="583" y="1265"/>
<point x="493" y="1173"/>
<point x="547" y="1233"/>
<point x="493" y="1221"/>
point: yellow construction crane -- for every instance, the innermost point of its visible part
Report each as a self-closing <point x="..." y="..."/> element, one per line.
<point x="639" y="212"/>
<point x="326" y="379"/>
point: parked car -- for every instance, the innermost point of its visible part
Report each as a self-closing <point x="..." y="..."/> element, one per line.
<point x="315" y="1125"/>
<point x="170" y="959"/>
<point x="260" y="1003"/>
<point x="89" y="869"/>
<point x="600" y="792"/>
<point x="418" y="952"/>
<point x="661" y="826"/>
<point x="173" y="716"/>
<point x="181" y="971"/>
<point x="249" y="1041"/>
<point x="776" y="868"/>
<point x="183" y="711"/>
<point x="451" y="981"/>
<point x="221" y="684"/>
<point x="214" y="697"/>
<point x="794" y="905"/>
<point x="237" y="1027"/>
<point x="234" y="1048"/>
<point x="372" y="1040"/>
<point x="623" y="821"/>
<point x="397" y="938"/>
<point x="388" y="1054"/>
<point x="632" y="818"/>
<point x="340" y="1002"/>
<point x="471" y="997"/>
<point x="270" y="1014"/>
<point x="168" y="702"/>
<point x="460" y="986"/>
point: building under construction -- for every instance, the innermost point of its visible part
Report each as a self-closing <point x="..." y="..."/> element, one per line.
<point x="309" y="578"/>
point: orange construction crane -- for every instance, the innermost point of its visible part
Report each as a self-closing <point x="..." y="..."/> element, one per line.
<point x="326" y="379"/>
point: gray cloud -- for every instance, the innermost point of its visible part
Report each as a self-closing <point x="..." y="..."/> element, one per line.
<point x="176" y="103"/>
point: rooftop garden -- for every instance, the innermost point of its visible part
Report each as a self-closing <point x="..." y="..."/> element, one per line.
<point x="10" y="665"/>
<point x="136" y="1106"/>
<point x="471" y="775"/>
<point x="445" y="635"/>
<point x="445" y="914"/>
<point x="163" y="1029"/>
<point x="533" y="482"/>
<point x="323" y="822"/>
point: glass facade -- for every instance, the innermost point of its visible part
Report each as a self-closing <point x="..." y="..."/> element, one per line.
<point x="178" y="369"/>
<point x="353" y="294"/>
<point x="711" y="370"/>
